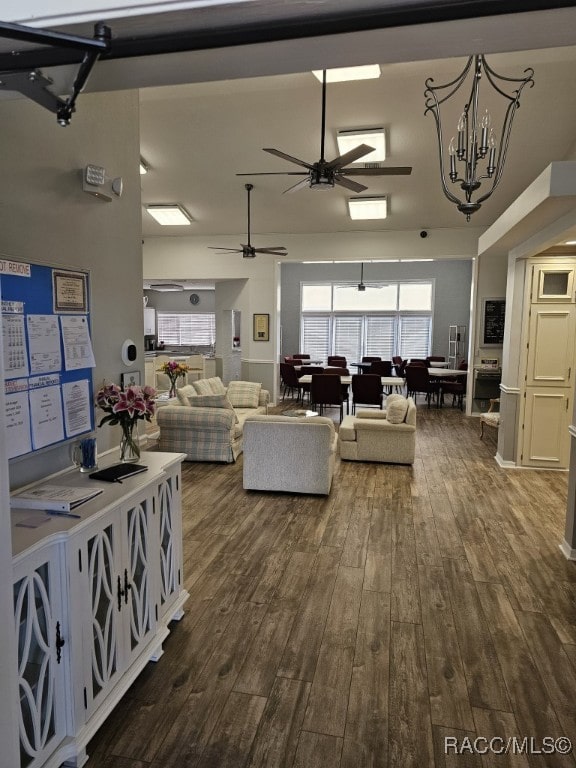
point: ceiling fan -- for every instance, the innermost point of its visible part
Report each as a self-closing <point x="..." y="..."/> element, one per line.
<point x="361" y="286"/>
<point x="247" y="249"/>
<point x="324" y="174"/>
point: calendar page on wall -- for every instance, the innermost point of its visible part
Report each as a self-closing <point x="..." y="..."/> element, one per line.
<point x="48" y="356"/>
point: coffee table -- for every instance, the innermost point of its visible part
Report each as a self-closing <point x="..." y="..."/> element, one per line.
<point x="299" y="413"/>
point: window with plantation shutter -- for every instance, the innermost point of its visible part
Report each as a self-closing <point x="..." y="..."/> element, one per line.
<point x="380" y="336"/>
<point x="387" y="319"/>
<point x="414" y="335"/>
<point x="182" y="329"/>
<point x="348" y="336"/>
<point x="316" y="336"/>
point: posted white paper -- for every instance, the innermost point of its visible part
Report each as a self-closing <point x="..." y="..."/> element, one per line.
<point x="46" y="415"/>
<point x="18" y="439"/>
<point x="44" y="343"/>
<point x="77" y="344"/>
<point x="15" y="352"/>
<point x="77" y="407"/>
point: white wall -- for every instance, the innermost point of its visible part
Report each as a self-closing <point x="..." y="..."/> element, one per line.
<point x="45" y="217"/>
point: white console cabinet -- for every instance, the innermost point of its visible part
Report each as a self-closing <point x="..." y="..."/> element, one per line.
<point x="93" y="599"/>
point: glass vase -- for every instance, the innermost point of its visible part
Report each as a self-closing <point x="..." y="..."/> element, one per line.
<point x="129" y="444"/>
<point x="172" y="392"/>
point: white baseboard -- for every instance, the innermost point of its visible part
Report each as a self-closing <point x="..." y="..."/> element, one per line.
<point x="567" y="551"/>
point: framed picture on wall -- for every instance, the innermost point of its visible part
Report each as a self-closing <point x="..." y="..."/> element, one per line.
<point x="261" y="330"/>
<point x="130" y="379"/>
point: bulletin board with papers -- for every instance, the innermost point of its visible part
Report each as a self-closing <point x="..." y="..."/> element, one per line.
<point x="48" y="355"/>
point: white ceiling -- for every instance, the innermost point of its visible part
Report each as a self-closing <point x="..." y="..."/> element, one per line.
<point x="197" y="137"/>
<point x="206" y="114"/>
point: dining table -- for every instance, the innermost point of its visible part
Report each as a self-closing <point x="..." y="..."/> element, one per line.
<point x="393" y="382"/>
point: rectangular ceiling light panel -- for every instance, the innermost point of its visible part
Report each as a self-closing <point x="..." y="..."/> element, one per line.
<point x="341" y="74"/>
<point x="169" y="215"/>
<point x="373" y="137"/>
<point x="368" y="207"/>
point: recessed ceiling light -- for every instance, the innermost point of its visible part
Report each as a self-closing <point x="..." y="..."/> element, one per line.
<point x="373" y="137"/>
<point x="169" y="215"/>
<point x="144" y="167"/>
<point x="341" y="74"/>
<point x="368" y="207"/>
<point x="166" y="287"/>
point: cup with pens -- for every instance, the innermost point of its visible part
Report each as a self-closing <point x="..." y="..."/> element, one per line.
<point x="84" y="455"/>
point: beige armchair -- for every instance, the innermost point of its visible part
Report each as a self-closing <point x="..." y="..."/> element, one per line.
<point x="381" y="435"/>
<point x="491" y="417"/>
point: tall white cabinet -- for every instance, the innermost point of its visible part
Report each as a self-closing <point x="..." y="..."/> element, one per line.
<point x="549" y="365"/>
<point x="93" y="599"/>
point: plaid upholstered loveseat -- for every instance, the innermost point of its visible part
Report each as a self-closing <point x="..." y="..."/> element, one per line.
<point x="206" y="420"/>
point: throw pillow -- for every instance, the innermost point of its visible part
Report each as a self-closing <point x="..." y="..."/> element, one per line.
<point x="244" y="394"/>
<point x="213" y="386"/>
<point x="185" y="393"/>
<point x="396" y="410"/>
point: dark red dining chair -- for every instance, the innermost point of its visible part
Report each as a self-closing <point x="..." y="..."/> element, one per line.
<point x="366" y="390"/>
<point x="418" y="381"/>
<point x="326" y="392"/>
<point x="345" y="387"/>
<point x="310" y="370"/>
<point x="367" y="359"/>
<point x="431" y="359"/>
<point x="337" y="360"/>
<point x="381" y="368"/>
<point x="290" y="381"/>
<point x="301" y="356"/>
<point x="456" y="386"/>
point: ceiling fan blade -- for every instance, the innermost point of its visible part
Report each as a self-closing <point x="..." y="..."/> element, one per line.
<point x="300" y="185"/>
<point x="354" y="186"/>
<point x="224" y="249"/>
<point x="279" y="251"/>
<point x="290" y="159"/>
<point x="401" y="170"/>
<point x="349" y="157"/>
<point x="275" y="173"/>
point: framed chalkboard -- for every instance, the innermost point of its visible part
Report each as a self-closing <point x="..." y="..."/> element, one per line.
<point x="493" y="316"/>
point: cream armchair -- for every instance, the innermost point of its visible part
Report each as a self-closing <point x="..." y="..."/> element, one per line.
<point x="294" y="454"/>
<point x="388" y="436"/>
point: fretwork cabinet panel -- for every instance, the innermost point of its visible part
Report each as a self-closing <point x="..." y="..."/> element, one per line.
<point x="169" y="522"/>
<point x="41" y="634"/>
<point x="114" y="590"/>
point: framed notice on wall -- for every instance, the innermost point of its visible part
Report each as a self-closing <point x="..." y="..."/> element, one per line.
<point x="493" y="317"/>
<point x="261" y="328"/>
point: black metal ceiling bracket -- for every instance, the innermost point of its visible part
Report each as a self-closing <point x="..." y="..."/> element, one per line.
<point x="34" y="85"/>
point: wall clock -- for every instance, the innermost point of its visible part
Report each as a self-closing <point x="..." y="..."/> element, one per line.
<point x="194" y="299"/>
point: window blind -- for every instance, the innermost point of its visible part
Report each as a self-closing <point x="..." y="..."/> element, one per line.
<point x="414" y="335"/>
<point x="380" y="336"/>
<point x="186" y="328"/>
<point x="316" y="336"/>
<point x="348" y="336"/>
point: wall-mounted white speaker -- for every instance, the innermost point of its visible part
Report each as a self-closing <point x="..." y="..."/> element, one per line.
<point x="129" y="352"/>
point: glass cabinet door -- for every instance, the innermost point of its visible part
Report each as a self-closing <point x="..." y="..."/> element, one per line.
<point x="40" y="639"/>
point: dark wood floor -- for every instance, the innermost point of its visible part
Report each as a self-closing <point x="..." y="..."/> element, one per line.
<point x="362" y="629"/>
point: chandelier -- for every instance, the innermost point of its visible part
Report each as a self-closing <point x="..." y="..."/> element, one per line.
<point x="475" y="154"/>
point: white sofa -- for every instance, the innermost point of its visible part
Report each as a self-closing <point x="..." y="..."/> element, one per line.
<point x="371" y="436"/>
<point x="294" y="454"/>
<point x="206" y="420"/>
